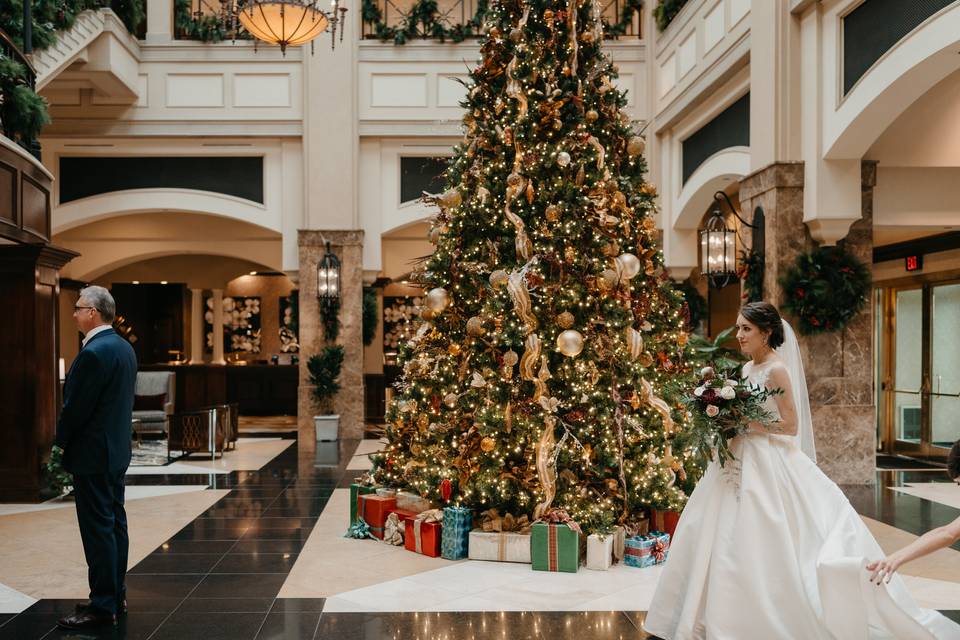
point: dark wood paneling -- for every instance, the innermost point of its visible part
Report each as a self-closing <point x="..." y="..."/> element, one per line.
<point x="155" y="312"/>
<point x="267" y="390"/>
<point x="374" y="397"/>
<point x="35" y="208"/>
<point x="8" y="195"/>
<point x="24" y="199"/>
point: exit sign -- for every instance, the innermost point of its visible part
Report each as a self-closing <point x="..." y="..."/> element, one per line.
<point x="913" y="263"/>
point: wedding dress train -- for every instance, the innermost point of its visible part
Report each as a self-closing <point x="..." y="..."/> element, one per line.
<point x="768" y="547"/>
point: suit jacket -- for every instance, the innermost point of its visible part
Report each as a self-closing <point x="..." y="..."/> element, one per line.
<point x="95" y="424"/>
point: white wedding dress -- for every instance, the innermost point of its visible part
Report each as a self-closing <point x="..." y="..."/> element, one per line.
<point x="768" y="547"/>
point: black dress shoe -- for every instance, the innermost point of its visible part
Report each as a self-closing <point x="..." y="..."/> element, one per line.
<point x="122" y="608"/>
<point x="87" y="617"/>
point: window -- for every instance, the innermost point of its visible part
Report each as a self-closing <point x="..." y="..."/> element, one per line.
<point x="419" y="174"/>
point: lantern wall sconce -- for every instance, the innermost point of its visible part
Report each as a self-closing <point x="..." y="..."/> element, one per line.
<point x="718" y="242"/>
<point x="328" y="278"/>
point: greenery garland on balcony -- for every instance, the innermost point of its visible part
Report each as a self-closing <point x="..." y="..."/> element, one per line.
<point x="424" y="20"/>
<point x="666" y="11"/>
<point x="51" y="16"/>
<point x="23" y="112"/>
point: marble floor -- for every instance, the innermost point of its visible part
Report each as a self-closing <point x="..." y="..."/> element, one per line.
<point x="251" y="547"/>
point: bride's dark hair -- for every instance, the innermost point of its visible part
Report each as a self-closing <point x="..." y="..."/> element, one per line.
<point x="766" y="317"/>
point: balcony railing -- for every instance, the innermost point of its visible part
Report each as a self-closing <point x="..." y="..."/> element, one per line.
<point x="22" y="112"/>
<point x="457" y="20"/>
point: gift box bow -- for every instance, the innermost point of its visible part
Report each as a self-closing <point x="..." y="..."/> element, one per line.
<point x="659" y="550"/>
<point x="432" y="515"/>
<point x="492" y="522"/>
<point x="559" y="516"/>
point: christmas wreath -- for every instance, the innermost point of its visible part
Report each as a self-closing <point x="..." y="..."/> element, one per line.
<point x="825" y="289"/>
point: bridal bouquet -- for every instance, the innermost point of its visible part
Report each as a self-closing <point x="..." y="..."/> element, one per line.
<point x="721" y="407"/>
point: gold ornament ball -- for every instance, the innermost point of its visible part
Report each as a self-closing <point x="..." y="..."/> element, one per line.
<point x="451" y="198"/>
<point x="488" y="444"/>
<point x="586" y="37"/>
<point x="514" y="179"/>
<point x="628" y="265"/>
<point x="475" y="326"/>
<point x="438" y="299"/>
<point x="570" y="255"/>
<point x="565" y="320"/>
<point x="450" y="400"/>
<point x="611" y="249"/>
<point x="563" y="158"/>
<point x="499" y="278"/>
<point x="510" y="358"/>
<point x="454" y="349"/>
<point x="610" y="278"/>
<point x="548" y="15"/>
<point x="552" y="213"/>
<point x="427" y="314"/>
<point x="635" y="146"/>
<point x="423" y="421"/>
<point x="570" y="343"/>
<point x="592" y="115"/>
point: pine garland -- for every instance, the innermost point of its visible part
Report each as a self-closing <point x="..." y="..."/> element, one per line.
<point x="666" y="11"/>
<point x="825" y="290"/>
<point x="751" y="272"/>
<point x="23" y="112"/>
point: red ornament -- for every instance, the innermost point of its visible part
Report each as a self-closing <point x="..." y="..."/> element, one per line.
<point x="446" y="489"/>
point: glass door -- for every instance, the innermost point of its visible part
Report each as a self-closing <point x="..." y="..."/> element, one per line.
<point x="918" y="368"/>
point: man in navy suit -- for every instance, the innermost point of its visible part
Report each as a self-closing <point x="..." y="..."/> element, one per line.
<point x="94" y="432"/>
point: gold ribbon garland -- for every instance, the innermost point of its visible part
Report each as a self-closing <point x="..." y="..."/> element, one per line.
<point x="545" y="469"/>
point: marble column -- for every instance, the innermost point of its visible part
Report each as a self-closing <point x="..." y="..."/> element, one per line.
<point x="837" y="365"/>
<point x="348" y="247"/>
<point x="218" y="327"/>
<point x="197" y="338"/>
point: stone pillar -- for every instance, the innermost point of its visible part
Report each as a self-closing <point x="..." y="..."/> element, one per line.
<point x="197" y="338"/>
<point x="218" y="327"/>
<point x="159" y="21"/>
<point x="348" y="247"/>
<point x="837" y="365"/>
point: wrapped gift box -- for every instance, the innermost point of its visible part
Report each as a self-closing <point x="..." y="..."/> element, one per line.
<point x="387" y="492"/>
<point x="404" y="515"/>
<point x="374" y="510"/>
<point x="505" y="546"/>
<point x="647" y="550"/>
<point x="423" y="537"/>
<point x="412" y="502"/>
<point x="665" y="521"/>
<point x="600" y="551"/>
<point x="455" y="542"/>
<point x="357" y="490"/>
<point x="554" y="547"/>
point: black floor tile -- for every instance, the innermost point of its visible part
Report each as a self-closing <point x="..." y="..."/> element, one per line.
<point x="29" y="626"/>
<point x="267" y="546"/>
<point x="289" y="625"/>
<point x="161" y="604"/>
<point x="197" y="531"/>
<point x="263" y="533"/>
<point x="195" y="546"/>
<point x="210" y="626"/>
<point x="256" y="563"/>
<point x="135" y="626"/>
<point x="144" y="587"/>
<point x="177" y="563"/>
<point x="953" y="615"/>
<point x="244" y="508"/>
<point x="229" y="585"/>
<point x="4" y="617"/>
<point x="61" y="606"/>
<point x="227" y="605"/>
<point x="298" y="604"/>
<point x="309" y="511"/>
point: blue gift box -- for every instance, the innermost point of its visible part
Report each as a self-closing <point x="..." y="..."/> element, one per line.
<point x="646" y="550"/>
<point x="455" y="538"/>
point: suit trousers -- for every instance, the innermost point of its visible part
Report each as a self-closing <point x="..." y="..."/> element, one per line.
<point x="103" y="529"/>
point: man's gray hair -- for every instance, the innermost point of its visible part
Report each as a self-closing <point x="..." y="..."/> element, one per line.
<point x="101" y="300"/>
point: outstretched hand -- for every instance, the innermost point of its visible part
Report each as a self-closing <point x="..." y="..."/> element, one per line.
<point x="883" y="570"/>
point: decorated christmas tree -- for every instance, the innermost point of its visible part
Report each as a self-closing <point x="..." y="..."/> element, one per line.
<point x="545" y="373"/>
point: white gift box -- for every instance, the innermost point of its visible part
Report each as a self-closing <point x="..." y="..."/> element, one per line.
<point x="500" y="547"/>
<point x="386" y="492"/>
<point x="412" y="502"/>
<point x="599" y="552"/>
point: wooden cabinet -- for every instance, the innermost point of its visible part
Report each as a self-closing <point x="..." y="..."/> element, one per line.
<point x="260" y="390"/>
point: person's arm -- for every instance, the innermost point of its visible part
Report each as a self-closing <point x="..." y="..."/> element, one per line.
<point x="929" y="542"/>
<point x="787" y="424"/>
<point x="80" y="395"/>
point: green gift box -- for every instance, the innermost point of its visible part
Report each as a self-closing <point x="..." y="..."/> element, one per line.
<point x="357" y="490"/>
<point x="554" y="547"/>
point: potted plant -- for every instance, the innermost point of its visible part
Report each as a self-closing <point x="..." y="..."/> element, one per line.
<point x="324" y="369"/>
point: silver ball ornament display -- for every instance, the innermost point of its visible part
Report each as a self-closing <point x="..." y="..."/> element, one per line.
<point x="570" y="343"/>
<point x="563" y="158"/>
<point x="438" y="299"/>
<point x="636" y="146"/>
<point x="628" y="265"/>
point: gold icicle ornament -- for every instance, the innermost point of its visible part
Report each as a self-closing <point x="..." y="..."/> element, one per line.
<point x="546" y="471"/>
<point x="517" y="288"/>
<point x="658" y="405"/>
<point x="531" y="356"/>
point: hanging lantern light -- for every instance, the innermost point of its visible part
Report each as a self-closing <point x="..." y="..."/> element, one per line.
<point x="328" y="277"/>
<point x="718" y="243"/>
<point x="289" y="22"/>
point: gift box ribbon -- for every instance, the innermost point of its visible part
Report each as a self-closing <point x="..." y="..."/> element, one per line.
<point x="393" y="533"/>
<point x="553" y="552"/>
<point x="492" y="522"/>
<point x="433" y="515"/>
<point x="659" y="550"/>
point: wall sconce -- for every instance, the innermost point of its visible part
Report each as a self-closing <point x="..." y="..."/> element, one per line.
<point x="718" y="243"/>
<point x="328" y="277"/>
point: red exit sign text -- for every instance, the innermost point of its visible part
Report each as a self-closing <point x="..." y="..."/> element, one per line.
<point x="914" y="263"/>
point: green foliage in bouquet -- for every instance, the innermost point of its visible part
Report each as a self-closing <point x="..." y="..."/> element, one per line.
<point x="58" y="480"/>
<point x="324" y="369"/>
<point x="717" y="353"/>
<point x="825" y="290"/>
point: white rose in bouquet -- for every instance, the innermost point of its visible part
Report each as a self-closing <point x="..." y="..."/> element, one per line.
<point x="699" y="391"/>
<point x="728" y="393"/>
<point x="712" y="410"/>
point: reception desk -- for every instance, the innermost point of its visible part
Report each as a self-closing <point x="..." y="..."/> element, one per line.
<point x="260" y="390"/>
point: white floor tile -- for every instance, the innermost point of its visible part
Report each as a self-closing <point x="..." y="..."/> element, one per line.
<point x="12" y="601"/>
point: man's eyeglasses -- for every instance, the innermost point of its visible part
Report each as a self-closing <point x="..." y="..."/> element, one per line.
<point x="79" y="308"/>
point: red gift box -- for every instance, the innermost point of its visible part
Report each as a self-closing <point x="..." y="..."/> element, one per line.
<point x="404" y="515"/>
<point x="423" y="537"/>
<point x="374" y="510"/>
<point x="665" y="521"/>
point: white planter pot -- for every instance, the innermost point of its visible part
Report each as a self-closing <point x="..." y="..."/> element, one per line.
<point x="327" y="427"/>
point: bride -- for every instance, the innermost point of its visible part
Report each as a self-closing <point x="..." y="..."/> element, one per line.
<point x="768" y="547"/>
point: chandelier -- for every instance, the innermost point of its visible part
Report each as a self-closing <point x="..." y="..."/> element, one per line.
<point x="281" y="22"/>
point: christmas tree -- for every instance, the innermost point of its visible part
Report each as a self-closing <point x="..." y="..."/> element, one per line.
<point x="545" y="373"/>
